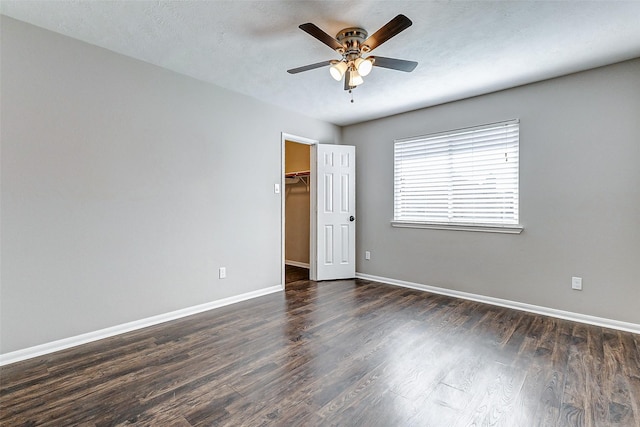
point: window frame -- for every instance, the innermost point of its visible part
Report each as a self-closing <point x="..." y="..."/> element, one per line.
<point x="493" y="227"/>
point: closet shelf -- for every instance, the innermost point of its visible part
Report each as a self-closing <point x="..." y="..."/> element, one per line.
<point x="295" y="177"/>
<point x="296" y="174"/>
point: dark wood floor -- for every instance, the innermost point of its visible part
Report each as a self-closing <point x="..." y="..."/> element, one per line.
<point x="294" y="274"/>
<point x="342" y="353"/>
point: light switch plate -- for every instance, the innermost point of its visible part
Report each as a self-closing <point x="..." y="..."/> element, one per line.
<point x="576" y="283"/>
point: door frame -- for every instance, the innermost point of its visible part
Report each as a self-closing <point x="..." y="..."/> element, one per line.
<point x="284" y="137"/>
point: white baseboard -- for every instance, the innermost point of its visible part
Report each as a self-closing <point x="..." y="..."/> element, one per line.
<point x="545" y="311"/>
<point x="42" y="349"/>
<point x="297" y="263"/>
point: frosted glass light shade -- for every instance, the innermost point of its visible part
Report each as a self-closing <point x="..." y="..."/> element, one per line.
<point x="355" y="79"/>
<point x="364" y="66"/>
<point x="337" y="70"/>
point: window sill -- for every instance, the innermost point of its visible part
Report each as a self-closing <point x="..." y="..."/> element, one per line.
<point x="486" y="228"/>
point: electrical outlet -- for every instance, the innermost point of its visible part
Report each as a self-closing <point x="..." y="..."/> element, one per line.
<point x="222" y="272"/>
<point x="367" y="255"/>
<point x="576" y="283"/>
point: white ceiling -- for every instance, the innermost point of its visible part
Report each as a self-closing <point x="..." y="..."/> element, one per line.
<point x="463" y="48"/>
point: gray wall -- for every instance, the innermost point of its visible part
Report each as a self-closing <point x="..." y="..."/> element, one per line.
<point x="579" y="200"/>
<point x="126" y="186"/>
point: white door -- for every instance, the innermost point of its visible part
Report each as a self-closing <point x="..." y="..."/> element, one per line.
<point x="336" y="211"/>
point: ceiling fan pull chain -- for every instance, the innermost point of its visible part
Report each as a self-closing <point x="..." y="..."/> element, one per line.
<point x="351" y="93"/>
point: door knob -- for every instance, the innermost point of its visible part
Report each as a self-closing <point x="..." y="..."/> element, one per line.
<point x="352" y="218"/>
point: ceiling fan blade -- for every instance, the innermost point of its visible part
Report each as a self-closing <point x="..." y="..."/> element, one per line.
<point x="309" y="67"/>
<point x="394" y="64"/>
<point x="325" y="38"/>
<point x="390" y="29"/>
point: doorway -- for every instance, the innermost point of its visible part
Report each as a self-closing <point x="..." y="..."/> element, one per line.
<point x="296" y="208"/>
<point x="297" y="202"/>
<point x="330" y="184"/>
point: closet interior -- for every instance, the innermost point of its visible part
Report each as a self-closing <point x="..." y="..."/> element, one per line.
<point x="297" y="209"/>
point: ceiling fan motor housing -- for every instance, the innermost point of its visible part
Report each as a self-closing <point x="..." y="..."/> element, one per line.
<point x="352" y="39"/>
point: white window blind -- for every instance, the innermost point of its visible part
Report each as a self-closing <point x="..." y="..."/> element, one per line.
<point x="465" y="176"/>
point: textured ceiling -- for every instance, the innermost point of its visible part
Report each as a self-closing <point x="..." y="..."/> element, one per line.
<point x="463" y="48"/>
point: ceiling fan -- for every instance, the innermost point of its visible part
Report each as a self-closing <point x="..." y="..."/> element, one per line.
<point x="352" y="43"/>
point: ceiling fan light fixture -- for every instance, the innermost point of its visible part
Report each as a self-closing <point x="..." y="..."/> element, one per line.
<point x="352" y="43"/>
<point x="363" y="66"/>
<point x="337" y="70"/>
<point x="355" y="79"/>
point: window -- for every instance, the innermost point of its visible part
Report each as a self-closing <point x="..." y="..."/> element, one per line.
<point x="462" y="179"/>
